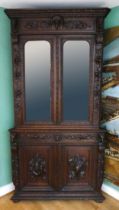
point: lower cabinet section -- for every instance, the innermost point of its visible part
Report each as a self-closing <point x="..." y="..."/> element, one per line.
<point x="59" y="169"/>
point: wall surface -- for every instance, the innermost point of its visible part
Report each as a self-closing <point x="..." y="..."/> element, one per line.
<point x="6" y="99"/>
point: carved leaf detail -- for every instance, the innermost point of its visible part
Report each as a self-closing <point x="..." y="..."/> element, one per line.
<point x="37" y="167"/>
<point x="77" y="167"/>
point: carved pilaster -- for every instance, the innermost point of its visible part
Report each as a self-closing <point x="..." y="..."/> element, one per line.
<point x="101" y="147"/>
<point x="98" y="69"/>
<point x="15" y="160"/>
<point x="18" y="90"/>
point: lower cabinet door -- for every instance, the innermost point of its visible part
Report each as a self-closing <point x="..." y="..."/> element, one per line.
<point x="36" y="167"/>
<point x="58" y="168"/>
<point x="80" y="168"/>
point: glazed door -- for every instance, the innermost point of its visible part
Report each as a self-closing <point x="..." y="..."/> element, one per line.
<point x="59" y="79"/>
<point x="77" y="73"/>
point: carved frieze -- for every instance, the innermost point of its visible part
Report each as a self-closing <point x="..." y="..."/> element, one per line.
<point x="77" y="167"/>
<point x="59" y="136"/>
<point x="59" y="23"/>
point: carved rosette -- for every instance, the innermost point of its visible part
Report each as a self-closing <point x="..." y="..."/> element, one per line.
<point x="77" y="167"/>
<point x="101" y="147"/>
<point x="37" y="167"/>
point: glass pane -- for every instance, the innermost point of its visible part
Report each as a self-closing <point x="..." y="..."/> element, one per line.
<point x="75" y="80"/>
<point x="37" y="80"/>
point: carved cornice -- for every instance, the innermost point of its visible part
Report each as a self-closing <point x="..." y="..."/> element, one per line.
<point x="91" y="12"/>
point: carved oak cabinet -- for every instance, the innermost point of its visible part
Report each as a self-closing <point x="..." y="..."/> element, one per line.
<point x="57" y="144"/>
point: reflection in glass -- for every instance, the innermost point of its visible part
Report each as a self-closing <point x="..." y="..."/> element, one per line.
<point x="37" y="80"/>
<point x="75" y="80"/>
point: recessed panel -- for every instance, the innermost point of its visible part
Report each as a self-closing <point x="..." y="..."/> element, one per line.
<point x="76" y="80"/>
<point x="37" y="80"/>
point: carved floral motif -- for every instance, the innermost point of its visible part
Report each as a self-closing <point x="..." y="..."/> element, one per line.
<point x="77" y="166"/>
<point x="37" y="166"/>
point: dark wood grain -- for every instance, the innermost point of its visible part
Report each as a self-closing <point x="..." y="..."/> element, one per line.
<point x="57" y="159"/>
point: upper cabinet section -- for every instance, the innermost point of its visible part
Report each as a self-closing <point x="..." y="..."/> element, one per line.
<point x="57" y="57"/>
<point x="58" y="21"/>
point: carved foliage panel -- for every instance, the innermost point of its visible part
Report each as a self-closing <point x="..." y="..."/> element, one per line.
<point x="81" y="166"/>
<point x="34" y="165"/>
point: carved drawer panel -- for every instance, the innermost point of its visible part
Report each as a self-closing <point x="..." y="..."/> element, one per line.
<point x="38" y="138"/>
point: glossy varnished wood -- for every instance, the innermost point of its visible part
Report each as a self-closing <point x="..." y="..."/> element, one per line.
<point x="57" y="159"/>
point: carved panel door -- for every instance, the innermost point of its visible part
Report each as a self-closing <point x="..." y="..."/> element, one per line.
<point x="42" y="167"/>
<point x="80" y="167"/>
<point x="36" y="167"/>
